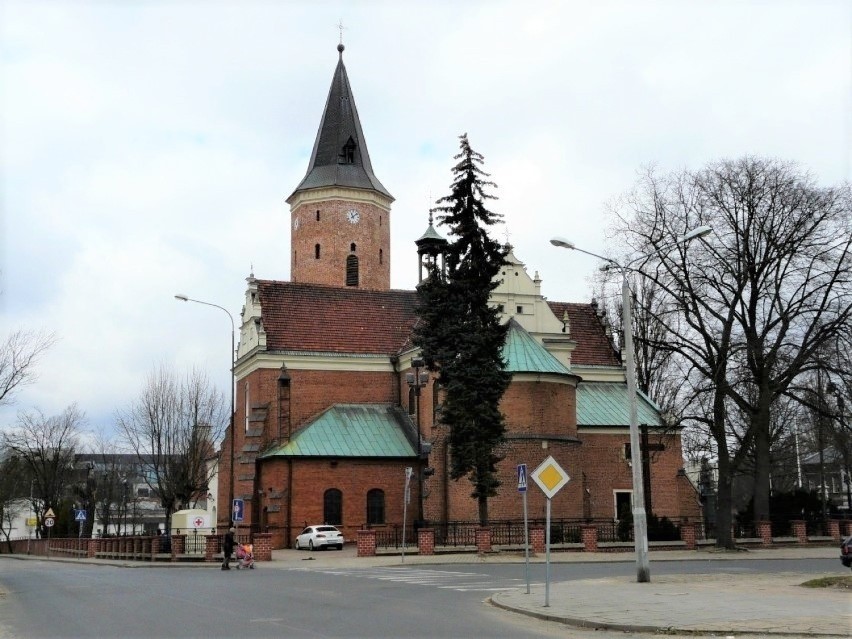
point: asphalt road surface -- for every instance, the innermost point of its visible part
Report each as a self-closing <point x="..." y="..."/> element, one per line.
<point x="52" y="599"/>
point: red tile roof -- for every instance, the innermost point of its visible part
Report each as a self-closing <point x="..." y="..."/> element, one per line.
<point x="594" y="348"/>
<point x="311" y="317"/>
<point x="329" y="319"/>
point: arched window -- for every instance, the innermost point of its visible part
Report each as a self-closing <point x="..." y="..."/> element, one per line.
<point x="381" y="256"/>
<point x="352" y="247"/>
<point x="352" y="270"/>
<point x="412" y="401"/>
<point x="375" y="506"/>
<point x="316" y="251"/>
<point x="332" y="507"/>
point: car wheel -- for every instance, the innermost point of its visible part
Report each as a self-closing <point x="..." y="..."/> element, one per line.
<point x="311" y="545"/>
<point x="340" y="547"/>
<point x="297" y="546"/>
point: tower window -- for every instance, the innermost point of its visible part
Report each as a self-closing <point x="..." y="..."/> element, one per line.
<point x="317" y="215"/>
<point x="352" y="270"/>
<point x="381" y="256"/>
<point x="316" y="251"/>
<point x="352" y="247"/>
<point x="347" y="154"/>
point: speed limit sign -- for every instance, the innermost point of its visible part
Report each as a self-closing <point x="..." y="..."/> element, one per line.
<point x="48" y="522"/>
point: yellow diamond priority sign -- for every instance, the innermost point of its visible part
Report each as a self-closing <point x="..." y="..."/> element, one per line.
<point x="550" y="477"/>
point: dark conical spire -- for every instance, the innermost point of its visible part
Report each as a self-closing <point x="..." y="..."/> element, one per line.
<point x="340" y="156"/>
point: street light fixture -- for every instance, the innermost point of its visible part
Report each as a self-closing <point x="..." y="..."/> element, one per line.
<point x="640" y="521"/>
<point x="184" y="298"/>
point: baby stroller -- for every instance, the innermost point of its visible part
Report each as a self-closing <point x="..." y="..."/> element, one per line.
<point x="245" y="556"/>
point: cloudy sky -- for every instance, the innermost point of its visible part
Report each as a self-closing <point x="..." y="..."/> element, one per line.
<point x="148" y="147"/>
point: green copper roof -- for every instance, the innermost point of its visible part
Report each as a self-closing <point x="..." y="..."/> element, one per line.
<point x="351" y="430"/>
<point x="605" y="404"/>
<point x="523" y="354"/>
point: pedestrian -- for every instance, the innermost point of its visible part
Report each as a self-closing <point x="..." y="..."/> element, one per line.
<point x="228" y="548"/>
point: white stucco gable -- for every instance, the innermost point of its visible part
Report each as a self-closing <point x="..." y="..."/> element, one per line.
<point x="518" y="296"/>
<point x="252" y="334"/>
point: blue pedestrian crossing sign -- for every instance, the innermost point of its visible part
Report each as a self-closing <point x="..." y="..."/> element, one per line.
<point x="80" y="515"/>
<point x="238" y="510"/>
<point x="522" y="478"/>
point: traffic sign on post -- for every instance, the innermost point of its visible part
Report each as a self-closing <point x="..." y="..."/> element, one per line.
<point x="80" y="515"/>
<point x="522" y="478"/>
<point x="238" y="510"/>
<point x="550" y="477"/>
<point x="49" y="521"/>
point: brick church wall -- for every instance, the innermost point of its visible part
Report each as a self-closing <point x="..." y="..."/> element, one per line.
<point x="311" y="478"/>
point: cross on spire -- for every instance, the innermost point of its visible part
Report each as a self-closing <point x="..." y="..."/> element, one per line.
<point x="341" y="27"/>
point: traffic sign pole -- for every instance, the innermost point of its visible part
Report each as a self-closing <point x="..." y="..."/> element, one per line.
<point x="547" y="560"/>
<point x="522" y="488"/>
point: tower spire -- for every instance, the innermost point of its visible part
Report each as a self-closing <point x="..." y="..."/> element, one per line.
<point x="340" y="156"/>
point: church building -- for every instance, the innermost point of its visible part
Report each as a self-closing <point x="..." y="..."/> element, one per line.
<point x="333" y="406"/>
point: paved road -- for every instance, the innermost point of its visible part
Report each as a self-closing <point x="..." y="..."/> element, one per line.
<point x="331" y="594"/>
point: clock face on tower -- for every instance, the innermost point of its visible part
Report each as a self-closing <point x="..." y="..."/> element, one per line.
<point x="352" y="215"/>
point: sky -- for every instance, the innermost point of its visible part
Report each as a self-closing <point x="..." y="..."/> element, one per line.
<point x="147" y="148"/>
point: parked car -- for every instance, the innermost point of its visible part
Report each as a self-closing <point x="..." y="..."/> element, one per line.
<point x="324" y="536"/>
<point x="846" y="552"/>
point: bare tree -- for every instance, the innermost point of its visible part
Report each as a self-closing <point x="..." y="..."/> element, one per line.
<point x="172" y="428"/>
<point x="46" y="447"/>
<point x="19" y="354"/>
<point x="751" y="305"/>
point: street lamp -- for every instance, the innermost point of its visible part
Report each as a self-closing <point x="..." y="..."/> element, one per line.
<point x="184" y="298"/>
<point x="418" y="380"/>
<point x="640" y="522"/>
<point x="124" y="484"/>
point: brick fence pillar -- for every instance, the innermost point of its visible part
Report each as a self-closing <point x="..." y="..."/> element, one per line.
<point x="590" y="537"/>
<point x="483" y="540"/>
<point x="537" y="540"/>
<point x="764" y="531"/>
<point x="178" y="546"/>
<point x="211" y="547"/>
<point x="156" y="542"/>
<point x="426" y="541"/>
<point x="834" y="529"/>
<point x="800" y="531"/>
<point x="366" y="543"/>
<point x="847" y="528"/>
<point x="687" y="534"/>
<point x="92" y="550"/>
<point x="262" y="546"/>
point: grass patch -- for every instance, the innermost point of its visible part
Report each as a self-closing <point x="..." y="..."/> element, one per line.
<point x="838" y="582"/>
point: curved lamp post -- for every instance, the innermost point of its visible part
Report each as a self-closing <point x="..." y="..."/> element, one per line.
<point x="640" y="521"/>
<point x="184" y="298"/>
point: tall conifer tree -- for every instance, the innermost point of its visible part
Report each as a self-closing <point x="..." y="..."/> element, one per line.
<point x="460" y="335"/>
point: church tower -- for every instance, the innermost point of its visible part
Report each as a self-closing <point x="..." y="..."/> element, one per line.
<point x="340" y="212"/>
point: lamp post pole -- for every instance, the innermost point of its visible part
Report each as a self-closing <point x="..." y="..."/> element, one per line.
<point x="640" y="520"/>
<point x="418" y="380"/>
<point x="184" y="298"/>
<point x="124" y="494"/>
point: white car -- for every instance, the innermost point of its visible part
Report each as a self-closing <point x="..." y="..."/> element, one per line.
<point x="324" y="536"/>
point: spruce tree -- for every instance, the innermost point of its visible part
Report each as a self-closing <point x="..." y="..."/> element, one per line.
<point x="460" y="335"/>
